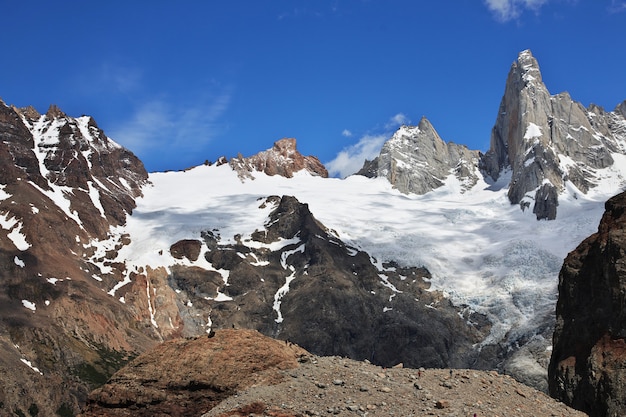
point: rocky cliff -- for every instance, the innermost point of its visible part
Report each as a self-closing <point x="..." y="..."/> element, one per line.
<point x="587" y="365"/>
<point x="295" y="280"/>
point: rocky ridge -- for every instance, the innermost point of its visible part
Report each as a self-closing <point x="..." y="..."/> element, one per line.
<point x="587" y="365"/>
<point x="63" y="184"/>
<point x="241" y="373"/>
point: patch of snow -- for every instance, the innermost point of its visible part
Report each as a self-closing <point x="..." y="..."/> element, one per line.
<point x="30" y="365"/>
<point x="94" y="194"/>
<point x="15" y="231"/>
<point x="280" y="294"/>
<point x="3" y="194"/>
<point x="222" y="297"/>
<point x="29" y="305"/>
<point x="19" y="262"/>
<point x="150" y="309"/>
<point x="286" y="254"/>
<point x="532" y="131"/>
<point x="125" y="183"/>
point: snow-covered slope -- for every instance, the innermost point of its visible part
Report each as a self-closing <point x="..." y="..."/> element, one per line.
<point x="481" y="250"/>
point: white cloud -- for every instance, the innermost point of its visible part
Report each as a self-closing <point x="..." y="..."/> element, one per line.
<point x="397" y="121"/>
<point x="351" y="159"/>
<point x="506" y="10"/>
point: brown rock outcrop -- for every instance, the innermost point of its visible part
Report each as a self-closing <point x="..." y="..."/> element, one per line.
<point x="587" y="366"/>
<point x="191" y="376"/>
<point x="282" y="159"/>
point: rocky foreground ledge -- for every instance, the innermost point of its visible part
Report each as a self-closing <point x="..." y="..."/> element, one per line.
<point x="243" y="373"/>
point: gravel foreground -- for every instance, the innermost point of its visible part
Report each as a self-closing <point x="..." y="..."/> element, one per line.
<point x="333" y="386"/>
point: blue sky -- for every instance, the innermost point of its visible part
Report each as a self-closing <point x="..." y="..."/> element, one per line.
<point x="179" y="83"/>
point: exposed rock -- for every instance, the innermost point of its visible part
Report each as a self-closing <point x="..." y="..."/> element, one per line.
<point x="416" y="160"/>
<point x="587" y="365"/>
<point x="282" y="159"/>
<point x="546" y="202"/>
<point x="190" y="376"/>
<point x="369" y="169"/>
<point x="186" y="248"/>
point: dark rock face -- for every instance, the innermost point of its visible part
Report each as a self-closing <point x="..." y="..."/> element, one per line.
<point x="187" y="248"/>
<point x="547" y="200"/>
<point x="587" y="366"/>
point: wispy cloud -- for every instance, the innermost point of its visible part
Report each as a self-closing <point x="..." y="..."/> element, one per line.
<point x="350" y="160"/>
<point x="617" y="6"/>
<point x="158" y="125"/>
<point x="505" y="10"/>
<point x="109" y="79"/>
<point x="346" y="133"/>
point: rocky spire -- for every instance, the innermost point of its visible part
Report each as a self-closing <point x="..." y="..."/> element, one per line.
<point x="545" y="141"/>
<point x="417" y="160"/>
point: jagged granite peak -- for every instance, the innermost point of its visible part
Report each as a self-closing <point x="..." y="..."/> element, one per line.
<point x="586" y="370"/>
<point x="416" y="160"/>
<point x="282" y="159"/>
<point x="547" y="141"/>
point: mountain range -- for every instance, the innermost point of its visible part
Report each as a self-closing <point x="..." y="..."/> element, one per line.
<point x="432" y="255"/>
